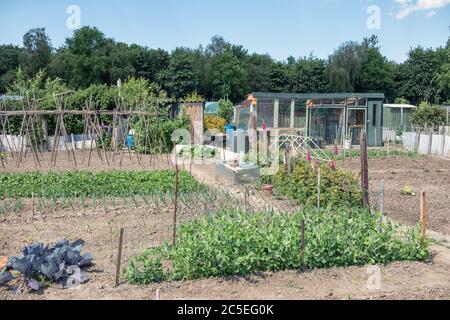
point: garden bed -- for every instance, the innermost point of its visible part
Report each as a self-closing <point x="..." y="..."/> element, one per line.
<point x="234" y="243"/>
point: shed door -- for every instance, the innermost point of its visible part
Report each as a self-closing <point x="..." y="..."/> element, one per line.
<point x="374" y="123"/>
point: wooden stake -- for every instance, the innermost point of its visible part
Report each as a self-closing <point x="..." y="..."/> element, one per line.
<point x="32" y="200"/>
<point x="423" y="209"/>
<point x="175" y="200"/>
<point x="364" y="170"/>
<point x="287" y="159"/>
<point x="119" y="257"/>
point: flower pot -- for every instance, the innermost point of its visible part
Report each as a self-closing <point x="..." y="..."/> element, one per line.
<point x="267" y="189"/>
<point x="347" y="144"/>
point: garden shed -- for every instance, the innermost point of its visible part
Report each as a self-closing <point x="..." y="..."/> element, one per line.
<point x="398" y="116"/>
<point x="331" y="118"/>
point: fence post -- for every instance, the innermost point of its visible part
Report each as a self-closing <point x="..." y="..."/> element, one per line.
<point x="364" y="169"/>
<point x="119" y="257"/>
<point x="423" y="211"/>
<point x="287" y="159"/>
<point x="430" y="141"/>
<point x="389" y="147"/>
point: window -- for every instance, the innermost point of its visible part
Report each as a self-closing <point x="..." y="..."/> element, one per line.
<point x="265" y="111"/>
<point x="327" y="124"/>
<point x="284" y="115"/>
<point x="300" y="114"/>
<point x="243" y="118"/>
<point x="362" y="102"/>
<point x="339" y="102"/>
<point x="374" y="115"/>
<point x="328" y="102"/>
<point x="351" y="102"/>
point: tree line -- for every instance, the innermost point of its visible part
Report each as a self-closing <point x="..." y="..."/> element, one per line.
<point x="89" y="60"/>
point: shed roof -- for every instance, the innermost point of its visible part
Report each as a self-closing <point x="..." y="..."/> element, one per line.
<point x="274" y="95"/>
<point x="399" y="106"/>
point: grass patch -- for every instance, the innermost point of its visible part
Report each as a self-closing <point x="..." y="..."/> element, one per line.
<point x="234" y="243"/>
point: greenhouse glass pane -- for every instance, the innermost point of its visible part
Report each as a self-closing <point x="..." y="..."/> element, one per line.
<point x="265" y="110"/>
<point x="284" y="118"/>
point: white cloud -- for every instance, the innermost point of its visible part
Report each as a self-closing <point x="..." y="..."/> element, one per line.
<point x="406" y="7"/>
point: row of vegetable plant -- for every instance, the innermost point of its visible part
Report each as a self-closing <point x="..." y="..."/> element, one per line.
<point x="235" y="243"/>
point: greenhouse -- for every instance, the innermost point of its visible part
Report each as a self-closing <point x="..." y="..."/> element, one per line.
<point x="397" y="116"/>
<point x="330" y="118"/>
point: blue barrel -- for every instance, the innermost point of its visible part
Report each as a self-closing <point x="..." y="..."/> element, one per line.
<point x="229" y="130"/>
<point x="130" y="141"/>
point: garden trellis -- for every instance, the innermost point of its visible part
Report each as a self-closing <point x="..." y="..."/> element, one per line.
<point x="24" y="134"/>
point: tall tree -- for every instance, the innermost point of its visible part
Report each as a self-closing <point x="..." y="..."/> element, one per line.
<point x="86" y="58"/>
<point x="182" y="75"/>
<point x="418" y="78"/>
<point x="229" y="77"/>
<point x="344" y="67"/>
<point x="37" y="52"/>
<point x="377" y="73"/>
<point x="309" y="75"/>
<point x="9" y="62"/>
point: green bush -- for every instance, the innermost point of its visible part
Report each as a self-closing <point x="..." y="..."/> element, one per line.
<point x="337" y="187"/>
<point x="241" y="244"/>
<point x="83" y="183"/>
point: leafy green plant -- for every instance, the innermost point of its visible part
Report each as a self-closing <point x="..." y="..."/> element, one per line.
<point x="88" y="184"/>
<point x="338" y="187"/>
<point x="235" y="243"/>
<point x="408" y="191"/>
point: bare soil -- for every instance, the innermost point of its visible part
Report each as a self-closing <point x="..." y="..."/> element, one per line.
<point x="150" y="225"/>
<point x="430" y="174"/>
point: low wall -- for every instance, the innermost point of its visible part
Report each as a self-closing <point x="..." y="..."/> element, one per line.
<point x="11" y="143"/>
<point x="424" y="143"/>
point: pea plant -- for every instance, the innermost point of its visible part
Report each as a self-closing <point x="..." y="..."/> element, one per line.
<point x="235" y="243"/>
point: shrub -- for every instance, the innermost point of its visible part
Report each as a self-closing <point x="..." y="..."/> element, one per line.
<point x="217" y="123"/>
<point x="234" y="243"/>
<point x="337" y="187"/>
<point x="428" y="115"/>
<point x="226" y="110"/>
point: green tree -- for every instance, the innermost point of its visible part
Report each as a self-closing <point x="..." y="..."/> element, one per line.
<point x="226" y="110"/>
<point x="377" y="73"/>
<point x="418" y="78"/>
<point x="428" y="115"/>
<point x="182" y="75"/>
<point x="344" y="67"/>
<point x="86" y="60"/>
<point x="259" y="69"/>
<point x="229" y="77"/>
<point x="9" y="62"/>
<point x="37" y="53"/>
<point x="309" y="75"/>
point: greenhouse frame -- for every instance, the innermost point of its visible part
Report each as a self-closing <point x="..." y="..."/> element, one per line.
<point x="331" y="118"/>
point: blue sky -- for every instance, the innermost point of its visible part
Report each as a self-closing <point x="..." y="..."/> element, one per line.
<point x="280" y="28"/>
